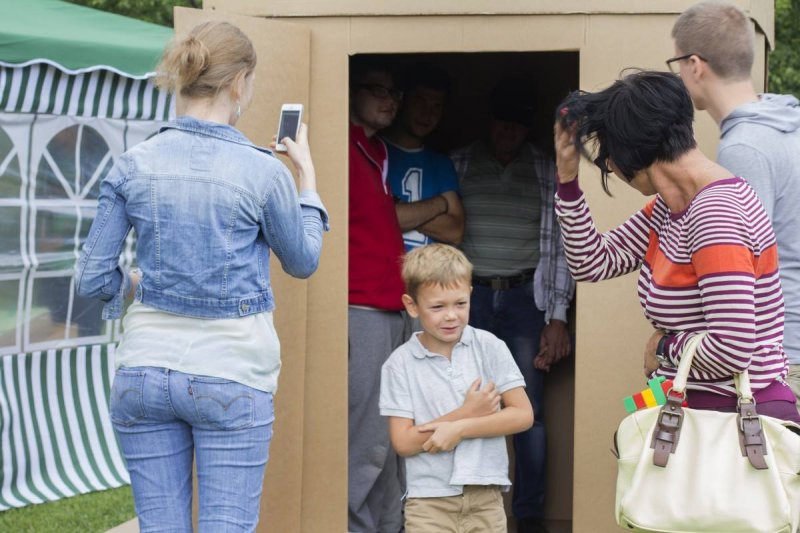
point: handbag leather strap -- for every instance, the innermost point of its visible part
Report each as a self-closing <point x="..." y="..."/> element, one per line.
<point x="668" y="426"/>
<point x="668" y="430"/>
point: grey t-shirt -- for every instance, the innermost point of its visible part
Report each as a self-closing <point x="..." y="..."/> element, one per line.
<point x="421" y="385"/>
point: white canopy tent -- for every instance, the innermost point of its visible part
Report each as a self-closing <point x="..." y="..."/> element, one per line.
<point x="69" y="106"/>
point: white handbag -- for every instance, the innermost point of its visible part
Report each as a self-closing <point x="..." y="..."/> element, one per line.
<point x="683" y="470"/>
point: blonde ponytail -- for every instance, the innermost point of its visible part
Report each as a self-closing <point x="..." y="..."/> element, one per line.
<point x="206" y="61"/>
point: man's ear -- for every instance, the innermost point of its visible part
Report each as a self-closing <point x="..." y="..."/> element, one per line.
<point x="411" y="305"/>
<point x="698" y="68"/>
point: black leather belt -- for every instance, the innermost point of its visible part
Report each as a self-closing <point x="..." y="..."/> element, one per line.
<point x="505" y="282"/>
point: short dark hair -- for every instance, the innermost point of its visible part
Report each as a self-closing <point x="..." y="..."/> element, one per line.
<point x="424" y="74"/>
<point x="512" y="100"/>
<point x="643" y="117"/>
<point x="362" y="65"/>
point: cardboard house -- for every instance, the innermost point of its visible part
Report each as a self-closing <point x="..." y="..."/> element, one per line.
<point x="304" y="51"/>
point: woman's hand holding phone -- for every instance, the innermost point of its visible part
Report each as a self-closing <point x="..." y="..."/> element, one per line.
<point x="299" y="154"/>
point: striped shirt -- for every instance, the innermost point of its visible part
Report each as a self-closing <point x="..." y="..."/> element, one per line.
<point x="502" y="212"/>
<point x="712" y="267"/>
<point x="553" y="286"/>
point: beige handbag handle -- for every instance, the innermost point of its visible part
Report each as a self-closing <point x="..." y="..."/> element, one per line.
<point x="741" y="381"/>
<point x="667" y="430"/>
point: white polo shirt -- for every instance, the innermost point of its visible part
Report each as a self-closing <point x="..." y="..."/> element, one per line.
<point x="422" y="385"/>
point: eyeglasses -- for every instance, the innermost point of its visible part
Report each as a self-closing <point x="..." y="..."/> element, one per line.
<point x="681" y="58"/>
<point x="380" y="91"/>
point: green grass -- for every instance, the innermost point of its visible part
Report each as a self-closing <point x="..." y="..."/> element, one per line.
<point x="89" y="513"/>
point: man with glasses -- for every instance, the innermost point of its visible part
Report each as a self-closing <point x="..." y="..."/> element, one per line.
<point x="759" y="135"/>
<point x="375" y="324"/>
<point x="521" y="285"/>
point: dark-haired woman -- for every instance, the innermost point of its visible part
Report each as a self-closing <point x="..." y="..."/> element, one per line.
<point x="199" y="359"/>
<point x="704" y="246"/>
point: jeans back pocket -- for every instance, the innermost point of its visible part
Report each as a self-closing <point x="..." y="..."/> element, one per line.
<point x="127" y="397"/>
<point x="223" y="404"/>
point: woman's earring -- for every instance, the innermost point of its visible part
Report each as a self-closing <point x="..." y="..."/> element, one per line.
<point x="238" y="109"/>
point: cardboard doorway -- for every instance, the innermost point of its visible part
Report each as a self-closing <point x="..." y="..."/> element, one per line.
<point x="552" y="75"/>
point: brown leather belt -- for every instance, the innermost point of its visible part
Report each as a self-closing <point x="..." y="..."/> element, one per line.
<point x="505" y="282"/>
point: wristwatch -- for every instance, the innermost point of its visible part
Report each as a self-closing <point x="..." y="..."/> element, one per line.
<point x="661" y="353"/>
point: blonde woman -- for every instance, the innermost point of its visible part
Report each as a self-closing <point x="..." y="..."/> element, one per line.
<point x="199" y="359"/>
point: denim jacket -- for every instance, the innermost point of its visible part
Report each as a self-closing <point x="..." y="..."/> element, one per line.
<point x="207" y="206"/>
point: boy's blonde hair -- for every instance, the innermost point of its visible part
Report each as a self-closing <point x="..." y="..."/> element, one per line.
<point x="435" y="264"/>
<point x="720" y="33"/>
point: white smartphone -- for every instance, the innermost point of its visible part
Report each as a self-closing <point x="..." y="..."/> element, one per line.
<point x="289" y="124"/>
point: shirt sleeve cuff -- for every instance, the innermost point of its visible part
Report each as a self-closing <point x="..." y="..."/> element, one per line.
<point x="669" y="342"/>
<point x="511" y="385"/>
<point x="312" y="199"/>
<point x="569" y="191"/>
<point x="397" y="412"/>
<point x="113" y="308"/>
<point x="559" y="312"/>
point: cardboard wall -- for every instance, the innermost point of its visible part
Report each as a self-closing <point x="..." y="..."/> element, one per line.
<point x="306" y="479"/>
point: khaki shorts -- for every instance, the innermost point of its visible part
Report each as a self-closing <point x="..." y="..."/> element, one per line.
<point x="794" y="382"/>
<point x="478" y="510"/>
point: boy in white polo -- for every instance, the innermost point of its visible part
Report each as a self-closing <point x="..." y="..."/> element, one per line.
<point x="452" y="393"/>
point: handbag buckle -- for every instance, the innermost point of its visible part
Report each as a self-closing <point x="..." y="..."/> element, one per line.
<point x="751" y="419"/>
<point x="668" y="429"/>
<point x="751" y="436"/>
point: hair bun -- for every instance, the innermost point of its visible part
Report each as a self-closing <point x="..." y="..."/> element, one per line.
<point x="193" y="59"/>
<point x="206" y="61"/>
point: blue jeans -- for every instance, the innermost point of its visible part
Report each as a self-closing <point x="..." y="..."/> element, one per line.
<point x="163" y="418"/>
<point x="511" y="314"/>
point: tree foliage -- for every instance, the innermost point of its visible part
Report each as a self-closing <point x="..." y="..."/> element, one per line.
<point x="784" y="62"/>
<point x="156" y="11"/>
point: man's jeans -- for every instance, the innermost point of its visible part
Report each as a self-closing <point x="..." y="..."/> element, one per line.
<point x="163" y="418"/>
<point x="511" y="314"/>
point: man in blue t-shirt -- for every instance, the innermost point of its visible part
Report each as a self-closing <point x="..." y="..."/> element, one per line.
<point x="423" y="181"/>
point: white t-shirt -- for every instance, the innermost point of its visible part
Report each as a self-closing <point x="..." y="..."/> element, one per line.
<point x="244" y="349"/>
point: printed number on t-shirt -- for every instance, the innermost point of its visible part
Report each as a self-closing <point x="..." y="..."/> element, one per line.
<point x="412" y="191"/>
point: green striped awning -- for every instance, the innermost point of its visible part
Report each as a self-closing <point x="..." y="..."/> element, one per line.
<point x="44" y="88"/>
<point x="78" y="38"/>
<point x="56" y="439"/>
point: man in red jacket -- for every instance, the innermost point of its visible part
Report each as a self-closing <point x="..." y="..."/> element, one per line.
<point x="375" y="325"/>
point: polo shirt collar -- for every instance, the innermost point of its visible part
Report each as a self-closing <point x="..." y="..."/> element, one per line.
<point x="420" y="352"/>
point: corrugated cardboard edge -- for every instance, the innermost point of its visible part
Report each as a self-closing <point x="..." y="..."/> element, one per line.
<point x="760" y="10"/>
